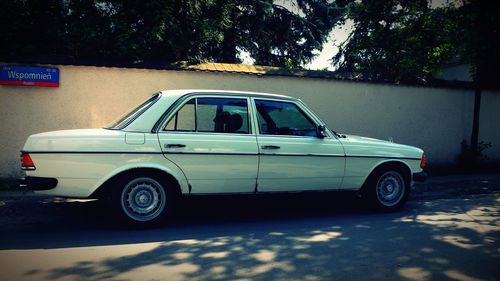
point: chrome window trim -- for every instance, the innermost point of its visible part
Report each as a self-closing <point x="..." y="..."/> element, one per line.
<point x="315" y="119"/>
<point x="204" y="133"/>
<point x="288" y="136"/>
<point x="174" y="108"/>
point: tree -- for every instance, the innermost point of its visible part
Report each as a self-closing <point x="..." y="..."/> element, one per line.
<point x="31" y="27"/>
<point x="478" y="24"/>
<point x="280" y="35"/>
<point x="408" y="41"/>
<point x="396" y="41"/>
<point x="167" y="31"/>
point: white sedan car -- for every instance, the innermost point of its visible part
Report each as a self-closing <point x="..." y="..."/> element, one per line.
<point x="194" y="142"/>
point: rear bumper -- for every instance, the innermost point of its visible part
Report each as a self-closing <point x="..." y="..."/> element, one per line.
<point x="420" y="177"/>
<point x="38" y="183"/>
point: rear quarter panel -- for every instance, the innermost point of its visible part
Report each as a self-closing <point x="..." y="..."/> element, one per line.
<point x="84" y="168"/>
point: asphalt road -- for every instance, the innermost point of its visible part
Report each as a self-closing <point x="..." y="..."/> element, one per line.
<point x="313" y="237"/>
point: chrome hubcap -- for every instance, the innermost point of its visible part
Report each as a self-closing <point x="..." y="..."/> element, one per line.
<point x="390" y="188"/>
<point x="143" y="199"/>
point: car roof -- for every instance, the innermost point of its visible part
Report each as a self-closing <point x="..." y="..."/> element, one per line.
<point x="179" y="93"/>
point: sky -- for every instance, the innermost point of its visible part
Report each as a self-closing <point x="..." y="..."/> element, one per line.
<point x="335" y="38"/>
<point x="323" y="60"/>
<point x="339" y="35"/>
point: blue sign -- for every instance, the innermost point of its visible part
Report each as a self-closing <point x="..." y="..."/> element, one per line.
<point x="29" y="76"/>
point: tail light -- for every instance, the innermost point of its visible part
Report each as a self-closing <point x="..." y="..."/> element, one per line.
<point x="26" y="162"/>
<point x="423" y="162"/>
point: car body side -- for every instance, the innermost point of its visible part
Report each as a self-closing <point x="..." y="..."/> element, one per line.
<point x="83" y="161"/>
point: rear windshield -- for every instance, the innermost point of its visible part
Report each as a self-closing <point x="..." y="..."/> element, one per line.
<point x="127" y="118"/>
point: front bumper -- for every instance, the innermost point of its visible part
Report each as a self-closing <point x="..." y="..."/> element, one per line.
<point x="420" y="177"/>
<point x="38" y="183"/>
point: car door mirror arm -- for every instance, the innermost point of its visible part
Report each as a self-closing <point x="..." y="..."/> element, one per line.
<point x="320" y="131"/>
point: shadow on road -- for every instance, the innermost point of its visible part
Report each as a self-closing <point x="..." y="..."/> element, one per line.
<point x="50" y="219"/>
<point x="318" y="237"/>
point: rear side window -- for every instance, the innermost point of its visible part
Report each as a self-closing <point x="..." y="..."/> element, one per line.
<point x="184" y="119"/>
<point x="129" y="117"/>
<point x="283" y="118"/>
<point x="211" y="115"/>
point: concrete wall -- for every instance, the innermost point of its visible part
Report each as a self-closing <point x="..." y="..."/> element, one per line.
<point x="435" y="119"/>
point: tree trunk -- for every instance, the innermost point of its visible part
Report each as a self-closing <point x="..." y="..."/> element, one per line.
<point x="229" y="43"/>
<point x="229" y="46"/>
<point x="479" y="61"/>
<point x="474" y="139"/>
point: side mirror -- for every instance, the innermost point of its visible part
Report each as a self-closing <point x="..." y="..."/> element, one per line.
<point x="320" y="131"/>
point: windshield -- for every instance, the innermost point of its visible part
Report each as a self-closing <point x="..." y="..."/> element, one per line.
<point x="127" y="118"/>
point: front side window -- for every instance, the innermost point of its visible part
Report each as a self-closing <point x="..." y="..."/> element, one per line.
<point x="283" y="118"/>
<point x="212" y="115"/>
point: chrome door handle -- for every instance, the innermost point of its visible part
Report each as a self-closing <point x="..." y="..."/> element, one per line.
<point x="172" y="145"/>
<point x="270" y="147"/>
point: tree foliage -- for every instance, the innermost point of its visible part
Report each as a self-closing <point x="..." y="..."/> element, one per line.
<point x="408" y="41"/>
<point x="395" y="40"/>
<point x="168" y="31"/>
<point x="478" y="39"/>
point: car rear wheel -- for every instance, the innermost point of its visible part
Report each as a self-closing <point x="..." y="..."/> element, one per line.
<point x="388" y="188"/>
<point x="142" y="200"/>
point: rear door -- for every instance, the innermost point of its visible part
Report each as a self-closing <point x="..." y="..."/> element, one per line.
<point x="292" y="156"/>
<point x="210" y="138"/>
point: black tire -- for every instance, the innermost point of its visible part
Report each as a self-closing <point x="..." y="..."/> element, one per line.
<point x="142" y="200"/>
<point x="387" y="188"/>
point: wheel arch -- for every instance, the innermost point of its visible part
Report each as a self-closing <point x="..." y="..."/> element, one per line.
<point x="385" y="165"/>
<point x="168" y="174"/>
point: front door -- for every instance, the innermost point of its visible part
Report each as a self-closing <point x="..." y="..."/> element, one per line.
<point x="210" y="139"/>
<point x="292" y="156"/>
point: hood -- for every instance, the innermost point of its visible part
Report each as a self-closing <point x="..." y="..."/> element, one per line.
<point x="368" y="140"/>
<point x="364" y="146"/>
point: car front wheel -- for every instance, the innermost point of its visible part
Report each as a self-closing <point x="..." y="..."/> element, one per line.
<point x="388" y="189"/>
